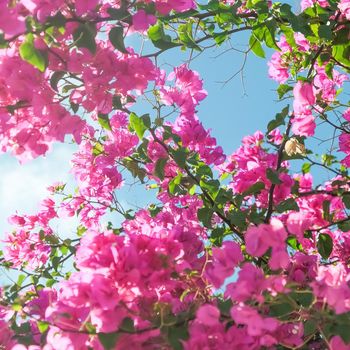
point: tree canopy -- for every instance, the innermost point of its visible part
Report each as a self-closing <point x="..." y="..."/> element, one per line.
<point x="243" y="250"/>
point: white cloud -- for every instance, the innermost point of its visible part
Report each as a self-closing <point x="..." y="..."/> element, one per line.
<point x="22" y="187"/>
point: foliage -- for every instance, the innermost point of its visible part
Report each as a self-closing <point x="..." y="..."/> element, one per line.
<point x="67" y="71"/>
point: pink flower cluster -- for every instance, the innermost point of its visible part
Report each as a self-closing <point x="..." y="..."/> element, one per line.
<point x="252" y="330"/>
<point x="31" y="118"/>
<point x="129" y="276"/>
<point x="279" y="63"/>
<point x="249" y="165"/>
<point x="344" y="7"/>
<point x="12" y="15"/>
<point x="95" y="169"/>
<point x="249" y="263"/>
<point x="26" y="246"/>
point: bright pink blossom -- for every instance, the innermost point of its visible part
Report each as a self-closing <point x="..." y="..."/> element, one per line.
<point x="141" y="20"/>
<point x="256" y="324"/>
<point x="260" y="238"/>
<point x="224" y="260"/>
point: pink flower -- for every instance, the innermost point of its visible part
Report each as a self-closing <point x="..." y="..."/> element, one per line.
<point x="250" y="284"/>
<point x="224" y="260"/>
<point x="298" y="223"/>
<point x="303" y="97"/>
<point x="260" y="238"/>
<point x="256" y="324"/>
<point x="344" y="7"/>
<point x="304" y="124"/>
<point x="278" y="69"/>
<point x="84" y="6"/>
<point x="11" y="21"/>
<point x="164" y="7"/>
<point x="141" y="20"/>
<point x="290" y="334"/>
<point x="346" y="115"/>
<point x="309" y="3"/>
<point x="187" y="92"/>
<point x="24" y="248"/>
<point x="208" y="315"/>
<point x="337" y="343"/>
<point x="301" y="41"/>
<point x="43" y="8"/>
<point x="344" y="142"/>
<point x="331" y="285"/>
<point x="276" y="136"/>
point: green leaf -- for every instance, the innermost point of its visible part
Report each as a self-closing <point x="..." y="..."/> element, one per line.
<point x="225" y="306"/>
<point x="146" y="120"/>
<point x="283" y="89"/>
<point x="98" y="149"/>
<point x="212" y="186"/>
<point x="50" y="282"/>
<point x="325" y="32"/>
<point x="289" y="34"/>
<point x="342" y="54"/>
<point x="108" y="340"/>
<point x="138" y="125"/>
<point x="279" y="119"/>
<point x="127" y="325"/>
<point x="204" y="170"/>
<point x="20" y="280"/>
<point x="238" y="218"/>
<point x="341" y="36"/>
<point x="326" y="210"/>
<point x="293" y="243"/>
<point x="256" y="47"/>
<point x="306" y="168"/>
<point x="3" y="41"/>
<point x="175" y="182"/>
<point x="220" y="38"/>
<point x="270" y="35"/>
<point x="116" y="37"/>
<point x="176" y="336"/>
<point x="278" y="310"/>
<point x="204" y="215"/>
<point x="304" y="299"/>
<point x="179" y="156"/>
<point x="340" y="326"/>
<point x="156" y="32"/>
<point x="159" y="38"/>
<point x="217" y="235"/>
<point x="58" y="20"/>
<point x="159" y="168"/>
<point x="273" y="176"/>
<point x="55" y="78"/>
<point x="103" y="120"/>
<point x="55" y="262"/>
<point x="186" y="36"/>
<point x="288" y="204"/>
<point x="119" y="14"/>
<point x="84" y="36"/>
<point x="346" y="200"/>
<point x="135" y="169"/>
<point x="329" y="70"/>
<point x="310" y="326"/>
<point x="117" y="102"/>
<point x="30" y="54"/>
<point x="342" y="329"/>
<point x="42" y="326"/>
<point x="325" y="245"/>
<point x="255" y="189"/>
